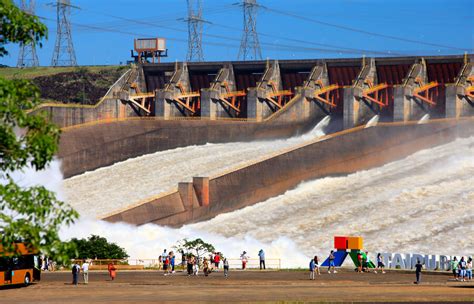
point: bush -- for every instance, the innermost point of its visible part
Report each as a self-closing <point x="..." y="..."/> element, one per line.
<point x="96" y="247"/>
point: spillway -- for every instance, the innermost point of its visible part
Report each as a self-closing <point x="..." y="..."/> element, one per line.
<point x="420" y="204"/>
<point x="423" y="203"/>
<point x="104" y="190"/>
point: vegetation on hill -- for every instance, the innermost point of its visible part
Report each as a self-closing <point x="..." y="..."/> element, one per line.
<point x="82" y="85"/>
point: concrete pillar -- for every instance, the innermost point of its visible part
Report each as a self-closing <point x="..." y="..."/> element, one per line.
<point x="356" y="111"/>
<point x="401" y="104"/>
<point x="201" y="186"/>
<point x="208" y="107"/>
<point x="457" y="104"/>
<point x="407" y="108"/>
<point x="188" y="195"/>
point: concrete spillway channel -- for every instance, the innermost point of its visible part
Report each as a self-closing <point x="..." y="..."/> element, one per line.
<point x="116" y="187"/>
<point x="341" y="153"/>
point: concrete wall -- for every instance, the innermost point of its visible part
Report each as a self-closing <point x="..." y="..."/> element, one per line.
<point x="85" y="148"/>
<point x="342" y="153"/>
<point x="108" y="107"/>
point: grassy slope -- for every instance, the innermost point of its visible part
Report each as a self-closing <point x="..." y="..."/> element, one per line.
<point x="29" y="73"/>
<point x="79" y="85"/>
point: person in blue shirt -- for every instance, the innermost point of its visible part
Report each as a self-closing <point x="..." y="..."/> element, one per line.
<point x="261" y="255"/>
<point x="172" y="261"/>
<point x="312" y="267"/>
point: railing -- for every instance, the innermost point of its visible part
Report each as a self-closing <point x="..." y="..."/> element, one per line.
<point x="137" y="264"/>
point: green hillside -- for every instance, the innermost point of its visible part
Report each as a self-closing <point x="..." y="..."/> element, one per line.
<point x="84" y="85"/>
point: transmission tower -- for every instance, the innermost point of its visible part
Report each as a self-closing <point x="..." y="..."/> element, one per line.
<point x="27" y="56"/>
<point x="195" y="22"/>
<point x="64" y="54"/>
<point x="250" y="46"/>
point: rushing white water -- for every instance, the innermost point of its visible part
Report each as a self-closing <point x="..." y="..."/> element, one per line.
<point x="424" y="119"/>
<point x="372" y="122"/>
<point x="421" y="204"/>
<point x="104" y="190"/>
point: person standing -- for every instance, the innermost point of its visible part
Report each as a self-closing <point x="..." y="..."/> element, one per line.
<point x="226" y="268"/>
<point x="217" y="260"/>
<point x="190" y="265"/>
<point x="316" y="264"/>
<point x="312" y="266"/>
<point x="166" y="264"/>
<point x="183" y="259"/>
<point x="172" y="262"/>
<point x="331" y="262"/>
<point x="454" y="267"/>
<point x="462" y="269"/>
<point x="195" y="266"/>
<point x="85" y="271"/>
<point x="418" y="267"/>
<point x="380" y="264"/>
<point x="261" y="256"/>
<point x="164" y="255"/>
<point x="75" y="273"/>
<point x="112" y="271"/>
<point x="469" y="269"/>
<point x="244" y="259"/>
<point x="205" y="267"/>
<point x="359" y="262"/>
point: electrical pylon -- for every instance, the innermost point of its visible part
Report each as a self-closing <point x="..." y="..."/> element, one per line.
<point x="64" y="54"/>
<point x="195" y="22"/>
<point x="27" y="56"/>
<point x="250" y="46"/>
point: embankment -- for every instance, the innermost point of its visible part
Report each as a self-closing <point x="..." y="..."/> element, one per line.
<point x="340" y="153"/>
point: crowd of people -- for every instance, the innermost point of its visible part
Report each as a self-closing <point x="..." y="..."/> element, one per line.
<point x="462" y="269"/>
<point x="192" y="265"/>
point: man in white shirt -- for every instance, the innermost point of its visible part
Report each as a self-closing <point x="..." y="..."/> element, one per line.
<point x="85" y="271"/>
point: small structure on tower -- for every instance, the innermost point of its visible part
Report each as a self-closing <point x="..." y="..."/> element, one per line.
<point x="149" y="48"/>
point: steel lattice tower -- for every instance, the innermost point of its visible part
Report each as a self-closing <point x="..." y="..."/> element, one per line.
<point x="250" y="46"/>
<point x="195" y="22"/>
<point x="27" y="56"/>
<point x="64" y="54"/>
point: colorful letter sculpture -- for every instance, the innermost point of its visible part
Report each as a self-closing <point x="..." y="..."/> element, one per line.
<point x="342" y="245"/>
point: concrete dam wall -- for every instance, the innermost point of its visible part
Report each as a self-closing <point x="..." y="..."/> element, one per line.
<point x="163" y="106"/>
<point x="340" y="153"/>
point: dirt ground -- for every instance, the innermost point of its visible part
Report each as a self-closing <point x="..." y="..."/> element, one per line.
<point x="241" y="286"/>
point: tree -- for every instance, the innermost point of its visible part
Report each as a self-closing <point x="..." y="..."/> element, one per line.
<point x="196" y="247"/>
<point x="32" y="214"/>
<point x="97" y="247"/>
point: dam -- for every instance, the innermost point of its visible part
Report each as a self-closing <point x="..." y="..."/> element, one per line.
<point x="232" y="134"/>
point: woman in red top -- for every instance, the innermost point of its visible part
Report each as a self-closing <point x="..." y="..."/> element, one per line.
<point x="112" y="271"/>
<point x="217" y="260"/>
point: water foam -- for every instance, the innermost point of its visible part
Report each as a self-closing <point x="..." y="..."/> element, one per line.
<point x="423" y="203"/>
<point x="99" y="192"/>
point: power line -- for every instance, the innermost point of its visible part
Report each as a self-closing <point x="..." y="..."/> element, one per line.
<point x="27" y="56"/>
<point x="250" y="46"/>
<point x="351" y="29"/>
<point x="64" y="54"/>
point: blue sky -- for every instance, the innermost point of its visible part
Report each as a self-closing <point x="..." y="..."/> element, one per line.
<point x="103" y="30"/>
